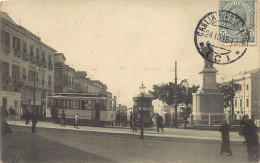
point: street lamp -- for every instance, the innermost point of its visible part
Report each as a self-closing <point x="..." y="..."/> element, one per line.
<point x="142" y="90"/>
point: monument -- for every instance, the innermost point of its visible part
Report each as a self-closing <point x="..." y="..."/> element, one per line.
<point x="208" y="101"/>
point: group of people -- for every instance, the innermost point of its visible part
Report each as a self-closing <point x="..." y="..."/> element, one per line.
<point x="248" y="130"/>
<point x="11" y="112"/>
<point x="63" y="120"/>
<point x="33" y="116"/>
<point x="136" y="121"/>
<point x="121" y="118"/>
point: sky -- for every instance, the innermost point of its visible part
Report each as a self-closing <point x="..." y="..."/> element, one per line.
<point x="123" y="43"/>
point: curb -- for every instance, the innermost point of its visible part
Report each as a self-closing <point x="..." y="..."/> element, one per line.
<point x="149" y="136"/>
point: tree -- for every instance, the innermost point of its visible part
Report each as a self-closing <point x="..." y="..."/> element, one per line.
<point x="165" y="92"/>
<point x="229" y="90"/>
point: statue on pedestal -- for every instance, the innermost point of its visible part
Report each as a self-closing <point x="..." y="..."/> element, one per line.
<point x="208" y="53"/>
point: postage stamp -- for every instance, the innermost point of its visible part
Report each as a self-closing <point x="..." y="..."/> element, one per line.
<point x="245" y="9"/>
<point x="209" y="39"/>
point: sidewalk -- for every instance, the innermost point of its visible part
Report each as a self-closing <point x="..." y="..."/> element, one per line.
<point x="169" y="133"/>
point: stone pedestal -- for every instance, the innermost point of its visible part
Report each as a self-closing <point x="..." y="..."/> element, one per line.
<point x="208" y="101"/>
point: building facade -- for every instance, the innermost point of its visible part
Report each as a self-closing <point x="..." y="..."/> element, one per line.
<point x="67" y="79"/>
<point x="27" y="69"/>
<point x="247" y="100"/>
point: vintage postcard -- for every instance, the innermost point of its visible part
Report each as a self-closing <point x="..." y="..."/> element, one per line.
<point x="129" y="81"/>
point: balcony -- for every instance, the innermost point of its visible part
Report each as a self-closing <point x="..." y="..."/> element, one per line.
<point x="17" y="53"/>
<point x="44" y="64"/>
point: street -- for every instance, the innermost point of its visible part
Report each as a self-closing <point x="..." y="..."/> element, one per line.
<point x="52" y="145"/>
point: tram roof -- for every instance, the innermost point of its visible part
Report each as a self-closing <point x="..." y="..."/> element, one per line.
<point x="79" y="95"/>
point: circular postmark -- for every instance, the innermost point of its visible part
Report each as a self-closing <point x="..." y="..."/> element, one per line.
<point x="221" y="37"/>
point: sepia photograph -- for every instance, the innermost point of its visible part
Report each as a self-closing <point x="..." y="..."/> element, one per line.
<point x="129" y="81"/>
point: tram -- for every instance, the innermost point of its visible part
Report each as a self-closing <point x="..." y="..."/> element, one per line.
<point x="92" y="109"/>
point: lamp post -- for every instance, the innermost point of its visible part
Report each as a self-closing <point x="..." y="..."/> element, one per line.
<point x="34" y="90"/>
<point x="142" y="90"/>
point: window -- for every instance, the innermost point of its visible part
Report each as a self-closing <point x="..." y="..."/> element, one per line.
<point x="74" y="104"/>
<point x="5" y="38"/>
<point x="37" y="54"/>
<point x="50" y="59"/>
<point x="31" y="50"/>
<point x="43" y="79"/>
<point x="30" y="75"/>
<point x="247" y="102"/>
<point x="247" y="87"/>
<point x="241" y="103"/>
<point x="49" y="80"/>
<point x="235" y="102"/>
<point x="37" y="76"/>
<point x="43" y="56"/>
<point x="24" y="45"/>
<point x="16" y="73"/>
<point x="5" y="68"/>
<point x="16" y="43"/>
<point x="24" y="73"/>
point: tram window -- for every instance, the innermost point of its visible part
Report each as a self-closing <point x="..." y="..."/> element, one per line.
<point x="49" y="103"/>
<point x="65" y="104"/>
<point x="74" y="104"/>
<point x="109" y="105"/>
<point x="103" y="105"/>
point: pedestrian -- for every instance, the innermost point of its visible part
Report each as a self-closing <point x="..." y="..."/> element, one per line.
<point x="134" y="122"/>
<point x="249" y="132"/>
<point x="131" y="116"/>
<point x="63" y="117"/>
<point x="34" y="121"/>
<point x="10" y="111"/>
<point x="118" y="118"/>
<point x="185" y="121"/>
<point x="159" y="122"/>
<point x="76" y="121"/>
<point x="14" y="113"/>
<point x="27" y="117"/>
<point x="172" y="121"/>
<point x="225" y="146"/>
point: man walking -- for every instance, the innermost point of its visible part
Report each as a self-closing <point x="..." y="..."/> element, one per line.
<point x="134" y="122"/>
<point x="76" y="121"/>
<point x="63" y="116"/>
<point x="159" y="123"/>
<point x="249" y="132"/>
<point x="34" y="121"/>
<point x="10" y="111"/>
<point x="131" y="117"/>
<point x="27" y="117"/>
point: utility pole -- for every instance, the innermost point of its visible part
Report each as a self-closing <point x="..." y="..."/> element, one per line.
<point x="232" y="100"/>
<point x="175" y="98"/>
